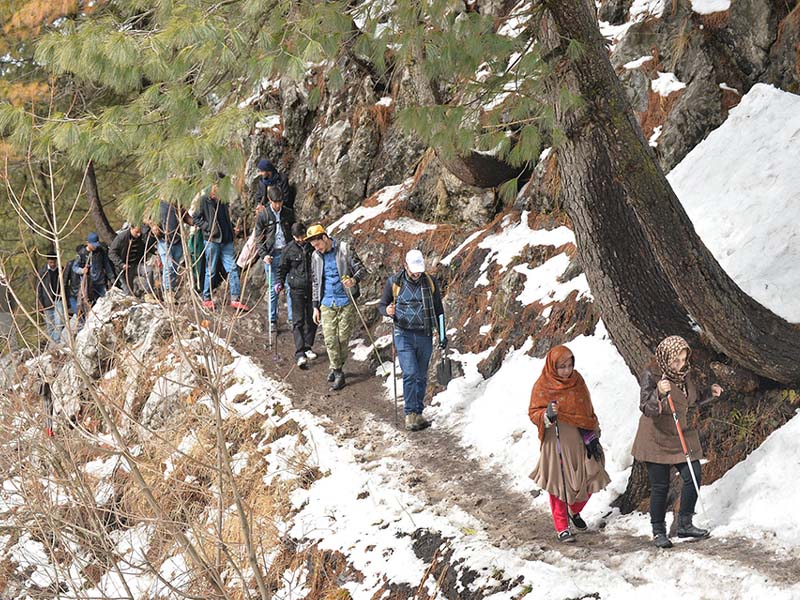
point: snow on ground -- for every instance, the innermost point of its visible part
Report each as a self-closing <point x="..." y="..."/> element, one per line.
<point x="741" y="188"/>
<point x="384" y="200"/>
<point x="707" y="7"/>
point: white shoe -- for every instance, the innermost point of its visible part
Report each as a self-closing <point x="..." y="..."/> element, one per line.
<point x="311" y="355"/>
<point x="301" y="361"/>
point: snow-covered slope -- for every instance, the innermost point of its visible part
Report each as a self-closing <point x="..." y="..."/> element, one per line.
<point x="741" y="187"/>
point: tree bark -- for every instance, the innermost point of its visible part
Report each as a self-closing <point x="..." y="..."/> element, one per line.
<point x="481" y="170"/>
<point x="607" y="154"/>
<point x="101" y="223"/>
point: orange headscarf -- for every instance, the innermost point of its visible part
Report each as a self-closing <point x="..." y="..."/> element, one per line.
<point x="570" y="394"/>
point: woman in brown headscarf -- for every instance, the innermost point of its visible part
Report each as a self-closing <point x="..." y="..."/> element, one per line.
<point x="657" y="443"/>
<point x="570" y="464"/>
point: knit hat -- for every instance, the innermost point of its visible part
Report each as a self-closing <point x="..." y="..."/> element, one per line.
<point x="265" y="165"/>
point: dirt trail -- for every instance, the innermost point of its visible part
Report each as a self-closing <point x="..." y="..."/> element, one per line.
<point x="439" y="471"/>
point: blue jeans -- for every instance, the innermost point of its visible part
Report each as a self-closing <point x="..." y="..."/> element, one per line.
<point x="271" y="273"/>
<point x="414" y="350"/>
<point x="54" y="321"/>
<point x="171" y="257"/>
<point x="213" y="251"/>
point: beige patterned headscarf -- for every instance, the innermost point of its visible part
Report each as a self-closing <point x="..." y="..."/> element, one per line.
<point x="667" y="351"/>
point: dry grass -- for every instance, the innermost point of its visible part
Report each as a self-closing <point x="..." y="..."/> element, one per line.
<point x="715" y="21"/>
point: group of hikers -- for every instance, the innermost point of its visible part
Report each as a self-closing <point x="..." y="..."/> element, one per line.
<point x="321" y="277"/>
<point x="571" y="464"/>
<point x="319" y="274"/>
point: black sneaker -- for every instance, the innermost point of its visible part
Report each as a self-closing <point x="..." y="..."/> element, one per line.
<point x="662" y="541"/>
<point x="331" y="376"/>
<point x="579" y="523"/>
<point x="338" y="380"/>
<point x="566" y="537"/>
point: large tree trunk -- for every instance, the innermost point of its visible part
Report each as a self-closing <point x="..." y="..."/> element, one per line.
<point x="104" y="228"/>
<point x="607" y="152"/>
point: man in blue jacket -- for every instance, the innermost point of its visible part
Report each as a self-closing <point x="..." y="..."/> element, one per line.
<point x="413" y="300"/>
<point x="336" y="271"/>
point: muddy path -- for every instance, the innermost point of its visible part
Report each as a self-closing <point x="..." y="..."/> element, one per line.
<point x="435" y="467"/>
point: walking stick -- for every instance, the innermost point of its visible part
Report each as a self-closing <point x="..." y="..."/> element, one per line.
<point x="369" y="335"/>
<point x="685" y="451"/>
<point x="269" y="305"/>
<point x="563" y="476"/>
<point x="394" y="375"/>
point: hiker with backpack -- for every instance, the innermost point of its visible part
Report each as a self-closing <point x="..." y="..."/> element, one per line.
<point x="273" y="232"/>
<point x="670" y="399"/>
<point x="571" y="462"/>
<point x="95" y="268"/>
<point x="336" y="271"/>
<point x="413" y="300"/>
<point x="295" y="271"/>
<point x="213" y="219"/>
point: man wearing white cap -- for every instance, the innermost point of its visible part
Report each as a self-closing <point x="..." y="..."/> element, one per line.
<point x="412" y="298"/>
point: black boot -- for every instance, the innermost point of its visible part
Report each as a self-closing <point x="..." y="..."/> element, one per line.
<point x="660" y="538"/>
<point x="331" y="376"/>
<point x="687" y="530"/>
<point x="338" y="380"/>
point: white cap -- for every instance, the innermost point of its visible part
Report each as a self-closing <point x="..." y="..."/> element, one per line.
<point x="415" y="262"/>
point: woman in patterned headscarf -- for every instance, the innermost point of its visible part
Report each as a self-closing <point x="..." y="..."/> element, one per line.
<point x="657" y="444"/>
<point x="576" y="470"/>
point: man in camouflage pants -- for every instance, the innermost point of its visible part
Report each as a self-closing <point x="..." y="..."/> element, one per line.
<point x="336" y="272"/>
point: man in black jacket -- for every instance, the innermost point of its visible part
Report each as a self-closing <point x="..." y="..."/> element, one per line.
<point x="129" y="252"/>
<point x="48" y="296"/>
<point x="92" y="261"/>
<point x="273" y="233"/>
<point x="268" y="176"/>
<point x="295" y="269"/>
<point x="213" y="219"/>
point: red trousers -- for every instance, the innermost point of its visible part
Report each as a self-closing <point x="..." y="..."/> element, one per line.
<point x="559" y="510"/>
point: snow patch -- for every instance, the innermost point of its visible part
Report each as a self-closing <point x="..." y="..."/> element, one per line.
<point x="666" y="84"/>
<point x="707" y="7"/>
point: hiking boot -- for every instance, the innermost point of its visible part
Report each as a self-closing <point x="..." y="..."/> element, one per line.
<point x="411" y="422"/>
<point x="331" y="376"/>
<point x="566" y="537"/>
<point x="687" y="530"/>
<point x="338" y="380"/>
<point x="209" y="304"/>
<point x="660" y="538"/>
<point x="311" y="355"/>
<point x="422" y="423"/>
<point x="302" y="362"/>
<point x="235" y="304"/>
<point x="579" y="523"/>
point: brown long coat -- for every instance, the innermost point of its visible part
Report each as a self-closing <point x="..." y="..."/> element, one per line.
<point x="657" y="438"/>
<point x="584" y="475"/>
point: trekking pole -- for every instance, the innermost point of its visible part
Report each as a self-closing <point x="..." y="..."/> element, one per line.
<point x="369" y="335"/>
<point x="563" y="476"/>
<point x="686" y="452"/>
<point x="269" y="303"/>
<point x="394" y="375"/>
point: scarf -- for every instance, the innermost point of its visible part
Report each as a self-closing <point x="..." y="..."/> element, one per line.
<point x="667" y="351"/>
<point x="570" y="394"/>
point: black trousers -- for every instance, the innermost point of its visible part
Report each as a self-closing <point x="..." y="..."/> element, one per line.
<point x="303" y="327"/>
<point x="658" y="474"/>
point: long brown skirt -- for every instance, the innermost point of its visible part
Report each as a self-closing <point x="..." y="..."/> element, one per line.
<point x="584" y="475"/>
